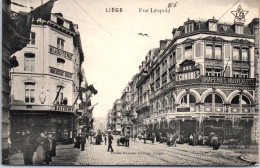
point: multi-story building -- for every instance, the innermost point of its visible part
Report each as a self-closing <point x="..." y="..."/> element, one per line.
<point x="13" y="39"/>
<point x="116" y="117"/>
<point x="134" y="104"/>
<point x="203" y="80"/>
<point x="254" y="29"/>
<point x="126" y="111"/>
<point x="46" y="83"/>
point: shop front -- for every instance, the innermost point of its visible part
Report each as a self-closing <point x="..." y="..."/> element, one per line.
<point x="60" y="125"/>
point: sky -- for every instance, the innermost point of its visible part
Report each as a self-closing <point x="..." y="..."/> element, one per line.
<point x="112" y="47"/>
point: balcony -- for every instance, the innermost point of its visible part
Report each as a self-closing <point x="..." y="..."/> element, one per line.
<point x="241" y="64"/>
<point x="162" y="89"/>
<point x="219" y="80"/>
<point x="142" y="106"/>
<point x="211" y="62"/>
<point x="59" y="52"/>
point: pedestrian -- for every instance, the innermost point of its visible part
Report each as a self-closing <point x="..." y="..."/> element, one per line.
<point x="77" y="141"/>
<point x="153" y="137"/>
<point x="215" y="142"/>
<point x="200" y="140"/>
<point x="99" y="138"/>
<point x="40" y="153"/>
<point x="54" y="144"/>
<point x="27" y="148"/>
<point x="191" y="139"/>
<point x="48" y="148"/>
<point x="145" y="136"/>
<point x="110" y="138"/>
<point x="247" y="140"/>
<point x="127" y="140"/>
<point x="195" y="139"/>
<point x="211" y="134"/>
<point x="105" y="138"/>
<point x="82" y="142"/>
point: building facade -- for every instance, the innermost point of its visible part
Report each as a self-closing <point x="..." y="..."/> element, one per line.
<point x="114" y="118"/>
<point x="126" y="111"/>
<point x="202" y="80"/>
<point x="46" y="84"/>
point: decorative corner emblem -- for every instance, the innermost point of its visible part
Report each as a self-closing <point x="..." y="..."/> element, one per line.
<point x="239" y="14"/>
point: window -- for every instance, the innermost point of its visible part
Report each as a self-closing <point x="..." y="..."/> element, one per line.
<point x="244" y="74"/>
<point x="209" y="49"/>
<point x="218" y="51"/>
<point x="244" y="54"/>
<point x="60" y="43"/>
<point x="178" y="53"/>
<point x="227" y="51"/>
<point x="239" y="29"/>
<point x="199" y="50"/>
<point x="29" y="62"/>
<point x="208" y="72"/>
<point x="60" y="21"/>
<point x="187" y="99"/>
<point x="59" y="95"/>
<point x="60" y="63"/>
<point x="29" y="93"/>
<point x="236" y="54"/>
<point x="32" y="38"/>
<point x="212" y="26"/>
<point x="189" y="28"/>
<point x="236" y="74"/>
<point x="213" y="72"/>
<point x="164" y="79"/>
<point x="188" y="52"/>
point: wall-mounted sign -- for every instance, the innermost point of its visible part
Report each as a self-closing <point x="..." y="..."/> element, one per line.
<point x="59" y="52"/>
<point x="62" y="108"/>
<point x="60" y="72"/>
<point x="228" y="80"/>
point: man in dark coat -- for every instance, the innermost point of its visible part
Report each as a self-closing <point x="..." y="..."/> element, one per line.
<point x="127" y="140"/>
<point x="105" y="138"/>
<point x="54" y="144"/>
<point x="110" y="138"/>
<point x="47" y="146"/>
<point x="77" y="143"/>
<point x="99" y="139"/>
<point x="215" y="142"/>
<point x="27" y="148"/>
<point x="82" y="142"/>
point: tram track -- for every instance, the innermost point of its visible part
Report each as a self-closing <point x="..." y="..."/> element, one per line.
<point x="191" y="157"/>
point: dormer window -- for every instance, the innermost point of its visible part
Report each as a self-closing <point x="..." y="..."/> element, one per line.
<point x="212" y="26"/>
<point x="189" y="28"/>
<point x="60" y="21"/>
<point x="239" y="28"/>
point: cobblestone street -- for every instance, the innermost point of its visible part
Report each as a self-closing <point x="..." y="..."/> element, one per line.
<point x="152" y="154"/>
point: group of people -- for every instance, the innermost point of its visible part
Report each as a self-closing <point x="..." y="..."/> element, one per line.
<point x="80" y="141"/>
<point x="38" y="151"/>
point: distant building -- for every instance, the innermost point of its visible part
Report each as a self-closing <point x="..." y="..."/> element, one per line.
<point x="126" y="111"/>
<point x="46" y="83"/>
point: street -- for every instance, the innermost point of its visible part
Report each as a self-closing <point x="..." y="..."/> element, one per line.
<point x="150" y="154"/>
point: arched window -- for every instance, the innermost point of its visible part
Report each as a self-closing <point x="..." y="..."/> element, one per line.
<point x="214" y="103"/>
<point x="187" y="99"/>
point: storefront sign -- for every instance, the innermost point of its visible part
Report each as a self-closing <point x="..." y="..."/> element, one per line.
<point x="228" y="80"/>
<point x="183" y="109"/>
<point x="60" y="72"/>
<point x="63" y="108"/>
<point x="59" y="52"/>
